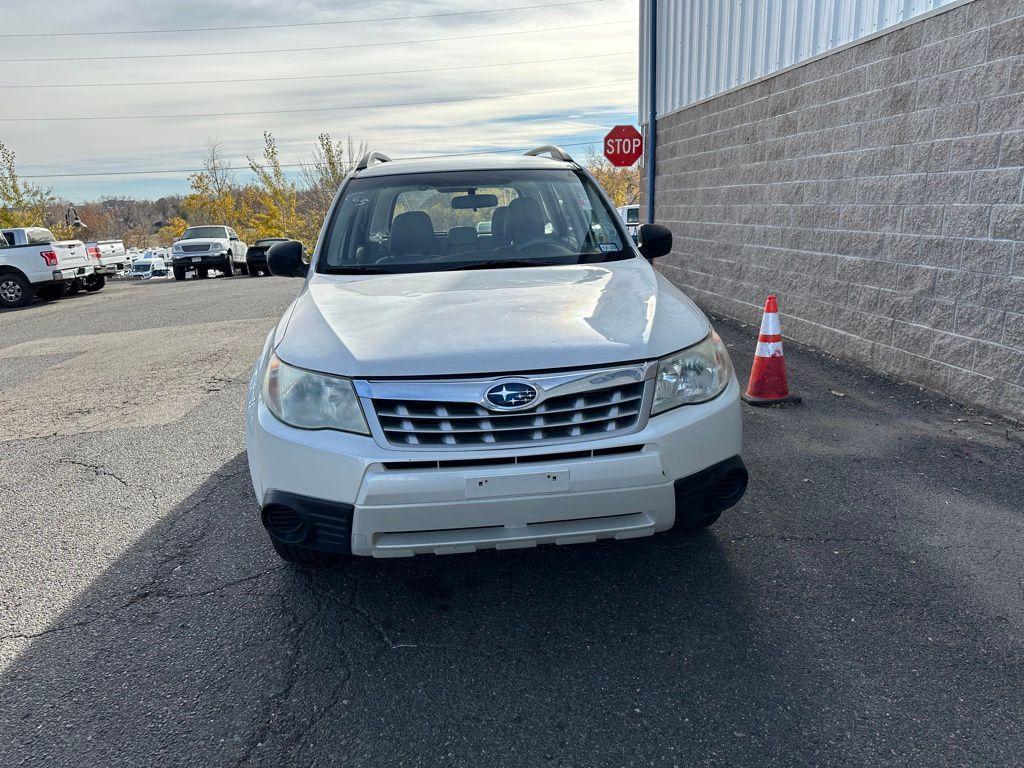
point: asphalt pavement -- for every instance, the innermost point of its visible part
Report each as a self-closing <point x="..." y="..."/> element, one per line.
<point x="863" y="606"/>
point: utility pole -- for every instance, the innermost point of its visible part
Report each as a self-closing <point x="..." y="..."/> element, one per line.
<point x="652" y="102"/>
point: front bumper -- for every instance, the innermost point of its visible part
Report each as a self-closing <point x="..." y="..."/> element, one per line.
<point x="190" y="260"/>
<point x="405" y="503"/>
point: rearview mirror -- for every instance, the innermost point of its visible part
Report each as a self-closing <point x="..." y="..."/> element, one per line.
<point x="655" y="240"/>
<point x="285" y="259"/>
<point x="474" y="202"/>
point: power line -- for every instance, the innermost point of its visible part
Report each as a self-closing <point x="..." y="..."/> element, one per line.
<point x="618" y="22"/>
<point x="307" y="110"/>
<point x="283" y="165"/>
<point x="446" y="14"/>
<point x="325" y="77"/>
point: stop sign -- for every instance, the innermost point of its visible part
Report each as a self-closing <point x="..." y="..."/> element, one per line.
<point x="623" y="145"/>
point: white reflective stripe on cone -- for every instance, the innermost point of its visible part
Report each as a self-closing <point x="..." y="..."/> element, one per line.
<point x="769" y="349"/>
<point x="770" y="324"/>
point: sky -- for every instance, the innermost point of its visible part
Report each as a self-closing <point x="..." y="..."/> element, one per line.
<point x="568" y="75"/>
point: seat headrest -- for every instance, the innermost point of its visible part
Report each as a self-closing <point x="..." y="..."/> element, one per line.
<point x="412" y="233"/>
<point x="498" y="221"/>
<point x="462" y="236"/>
<point x="525" y="220"/>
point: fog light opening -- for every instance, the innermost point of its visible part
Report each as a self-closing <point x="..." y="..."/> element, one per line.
<point x="284" y="523"/>
<point x="729" y="488"/>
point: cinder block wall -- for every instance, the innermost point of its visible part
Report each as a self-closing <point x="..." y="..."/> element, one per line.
<point x="878" y="192"/>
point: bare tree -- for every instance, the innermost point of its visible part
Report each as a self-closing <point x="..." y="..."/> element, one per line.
<point x="218" y="169"/>
<point x="321" y="176"/>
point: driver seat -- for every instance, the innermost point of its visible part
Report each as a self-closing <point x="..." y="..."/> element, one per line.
<point x="525" y="221"/>
<point x="412" y="234"/>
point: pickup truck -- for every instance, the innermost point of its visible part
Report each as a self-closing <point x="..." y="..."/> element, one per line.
<point x="208" y="247"/>
<point x="108" y="256"/>
<point x="34" y="263"/>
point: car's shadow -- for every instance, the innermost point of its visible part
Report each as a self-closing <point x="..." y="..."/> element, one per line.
<point x="199" y="647"/>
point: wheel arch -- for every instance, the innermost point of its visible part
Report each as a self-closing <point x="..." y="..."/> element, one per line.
<point x="7" y="269"/>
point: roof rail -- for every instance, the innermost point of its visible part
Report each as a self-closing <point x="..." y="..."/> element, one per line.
<point x="366" y="160"/>
<point x="556" y="153"/>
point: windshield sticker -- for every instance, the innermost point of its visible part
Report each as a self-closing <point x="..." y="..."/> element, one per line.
<point x="609" y="247"/>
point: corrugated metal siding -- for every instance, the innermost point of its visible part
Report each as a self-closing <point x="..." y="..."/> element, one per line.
<point x="709" y="46"/>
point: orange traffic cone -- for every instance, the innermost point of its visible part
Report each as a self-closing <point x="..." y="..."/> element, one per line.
<point x="767" y="385"/>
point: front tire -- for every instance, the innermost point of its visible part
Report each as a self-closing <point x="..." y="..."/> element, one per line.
<point x="15" y="290"/>
<point x="228" y="270"/>
<point x="179" y="273"/>
<point x="304" y="556"/>
<point x="95" y="283"/>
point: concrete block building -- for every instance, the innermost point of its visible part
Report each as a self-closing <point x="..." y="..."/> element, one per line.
<point x="863" y="159"/>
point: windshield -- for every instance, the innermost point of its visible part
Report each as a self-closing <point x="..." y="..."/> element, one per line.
<point x="468" y="220"/>
<point x="136" y="267"/>
<point x="193" y="232"/>
<point x="270" y="241"/>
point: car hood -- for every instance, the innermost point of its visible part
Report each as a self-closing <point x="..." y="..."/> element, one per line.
<point x="487" y="321"/>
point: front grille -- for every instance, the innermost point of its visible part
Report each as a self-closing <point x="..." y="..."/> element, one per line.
<point x="195" y="248"/>
<point x="533" y="458"/>
<point x="595" y="413"/>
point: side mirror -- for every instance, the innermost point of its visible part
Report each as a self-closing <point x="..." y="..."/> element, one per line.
<point x="285" y="259"/>
<point x="655" y="240"/>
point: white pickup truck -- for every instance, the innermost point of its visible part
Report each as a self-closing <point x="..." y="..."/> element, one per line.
<point x="208" y="247"/>
<point x="108" y="256"/>
<point x="34" y="263"/>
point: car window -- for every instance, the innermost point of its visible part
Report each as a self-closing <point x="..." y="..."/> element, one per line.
<point x="39" y="236"/>
<point x="470" y="219"/>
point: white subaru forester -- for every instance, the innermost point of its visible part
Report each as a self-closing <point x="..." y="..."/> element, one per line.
<point x="481" y="357"/>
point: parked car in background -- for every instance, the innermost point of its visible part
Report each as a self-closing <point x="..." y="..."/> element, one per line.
<point x="436" y="390"/>
<point x="108" y="256"/>
<point x="148" y="267"/>
<point x="208" y="247"/>
<point x="630" y="215"/>
<point x="34" y="263"/>
<point x="256" y="255"/>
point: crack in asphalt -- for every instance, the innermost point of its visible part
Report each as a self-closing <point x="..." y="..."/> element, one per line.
<point x="177" y="556"/>
<point x="97" y="470"/>
<point x="226" y="585"/>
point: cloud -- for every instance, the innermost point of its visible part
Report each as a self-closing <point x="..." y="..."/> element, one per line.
<point x="578" y="112"/>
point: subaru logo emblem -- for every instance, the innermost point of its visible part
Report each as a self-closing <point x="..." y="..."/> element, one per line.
<point x="510" y="395"/>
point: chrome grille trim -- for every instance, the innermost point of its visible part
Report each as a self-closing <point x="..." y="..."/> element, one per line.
<point x="452" y="414"/>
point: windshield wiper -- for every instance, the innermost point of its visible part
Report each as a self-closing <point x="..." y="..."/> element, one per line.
<point x="357" y="271"/>
<point x="502" y="263"/>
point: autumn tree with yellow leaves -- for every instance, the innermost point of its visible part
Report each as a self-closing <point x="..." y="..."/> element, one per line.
<point x="23" y="204"/>
<point x="622" y="184"/>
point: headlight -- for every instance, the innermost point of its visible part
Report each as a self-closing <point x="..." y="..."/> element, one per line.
<point x="693" y="375"/>
<point x="311" y="400"/>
